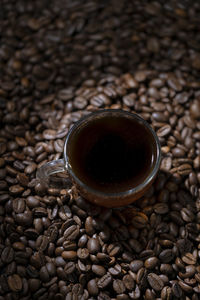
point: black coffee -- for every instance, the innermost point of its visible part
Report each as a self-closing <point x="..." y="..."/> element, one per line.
<point x="112" y="154"/>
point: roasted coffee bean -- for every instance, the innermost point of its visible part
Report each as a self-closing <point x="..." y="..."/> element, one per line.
<point x="69" y="268"/>
<point x="161" y="208"/>
<point x="118" y="286"/>
<point x="115" y="270"/>
<point x="69" y="245"/>
<point x="42" y="243"/>
<point x="135" y="265"/>
<point x="129" y="282"/>
<point x="184" y="245"/>
<point x="32" y="202"/>
<point x="103" y="257"/>
<point x="114" y="249"/>
<point x="189" y="259"/>
<point x="16" y="189"/>
<point x="98" y="270"/>
<point x="176" y="290"/>
<point x="83" y="253"/>
<point x="136" y="293"/>
<point x="71" y="233"/>
<point x="11" y="268"/>
<point x="30" y="168"/>
<point x="34" y="284"/>
<point x="69" y="255"/>
<point x="166" y="256"/>
<point x="90" y="230"/>
<point x="44" y="275"/>
<point x="19" y="205"/>
<point x="18" y="246"/>
<point x="104" y="281"/>
<point x="151" y="262"/>
<point x="92" y="287"/>
<point x="59" y="261"/>
<point x="93" y="245"/>
<point x="82" y="241"/>
<point x="155" y="282"/>
<point x="7" y="255"/>
<point x="166" y="293"/>
<point x="15" y="283"/>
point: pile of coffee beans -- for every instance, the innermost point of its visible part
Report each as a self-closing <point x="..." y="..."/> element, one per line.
<point x="60" y="60"/>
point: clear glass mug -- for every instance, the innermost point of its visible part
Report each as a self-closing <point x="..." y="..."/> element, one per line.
<point x="106" y="199"/>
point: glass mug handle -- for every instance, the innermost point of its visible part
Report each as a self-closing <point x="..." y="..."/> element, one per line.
<point x="45" y="172"/>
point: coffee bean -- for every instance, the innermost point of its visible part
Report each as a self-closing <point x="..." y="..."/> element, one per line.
<point x="59" y="261"/>
<point x="161" y="208"/>
<point x="30" y="168"/>
<point x="15" y="283"/>
<point x="40" y="212"/>
<point x="155" y="282"/>
<point x="2" y="148"/>
<point x="68" y="245"/>
<point x="98" y="270"/>
<point x="176" y="290"/>
<point x="16" y="189"/>
<point x="89" y="226"/>
<point x="19" y="205"/>
<point x="129" y="100"/>
<point x="184" y="169"/>
<point x="105" y="258"/>
<point x="174" y="84"/>
<point x="166" y="293"/>
<point x="184" y="245"/>
<point x="195" y="109"/>
<point x="151" y="263"/>
<point x="104" y="281"/>
<point x="129" y="282"/>
<point x="7" y="255"/>
<point x="69" y="268"/>
<point x="115" y="270"/>
<point x="189" y="259"/>
<point x="18" y="246"/>
<point x="93" y="245"/>
<point x="150" y="294"/>
<point x="80" y="102"/>
<point x="42" y="242"/>
<point x="118" y="286"/>
<point x="135" y="265"/>
<point x="44" y="275"/>
<point x="64" y="214"/>
<point x="135" y="294"/>
<point x="34" y="284"/>
<point x="11" y="268"/>
<point x="159" y="117"/>
<point x="22" y="179"/>
<point x="71" y="233"/>
<point x="135" y="245"/>
<point x="164" y="130"/>
<point x="166" y="164"/>
<point x="69" y="255"/>
<point x="83" y="253"/>
<point x="185" y="287"/>
<point x="92" y="287"/>
<point x="32" y="202"/>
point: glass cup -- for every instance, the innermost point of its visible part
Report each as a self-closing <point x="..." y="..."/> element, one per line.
<point x="110" y="198"/>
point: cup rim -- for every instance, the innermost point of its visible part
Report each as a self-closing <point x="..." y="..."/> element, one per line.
<point x="128" y="192"/>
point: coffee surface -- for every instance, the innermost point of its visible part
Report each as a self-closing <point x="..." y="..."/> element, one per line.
<point x="112" y="154"/>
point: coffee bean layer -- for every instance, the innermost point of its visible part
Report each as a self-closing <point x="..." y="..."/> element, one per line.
<point x="59" y="61"/>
